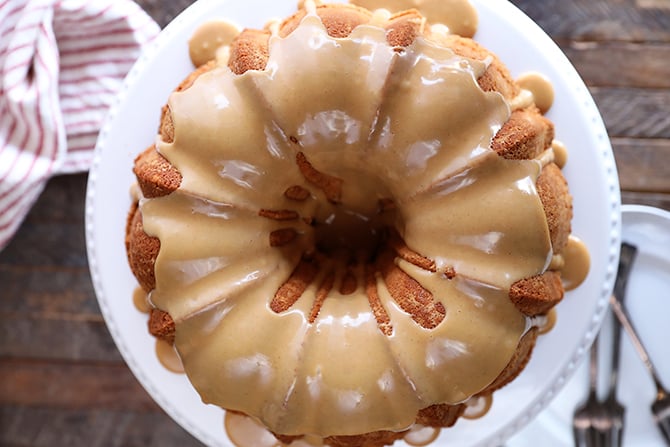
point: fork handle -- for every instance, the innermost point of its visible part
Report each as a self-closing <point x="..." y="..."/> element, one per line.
<point x="593" y="369"/>
<point x="624" y="319"/>
<point x="626" y="258"/>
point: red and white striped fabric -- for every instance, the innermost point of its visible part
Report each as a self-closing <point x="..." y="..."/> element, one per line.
<point x="61" y="64"/>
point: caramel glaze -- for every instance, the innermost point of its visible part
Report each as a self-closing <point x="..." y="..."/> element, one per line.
<point x="168" y="356"/>
<point x="560" y="153"/>
<point x="140" y="300"/>
<point x="459" y="16"/>
<point x="208" y="39"/>
<point x="277" y="165"/>
<point x="478" y="406"/>
<point x="419" y="436"/>
<point x="539" y="87"/>
<point x="577" y="262"/>
<point x="244" y="431"/>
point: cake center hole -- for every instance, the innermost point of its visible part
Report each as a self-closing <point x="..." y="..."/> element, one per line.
<point x="342" y="230"/>
<point x="354" y="229"/>
<point x="350" y="221"/>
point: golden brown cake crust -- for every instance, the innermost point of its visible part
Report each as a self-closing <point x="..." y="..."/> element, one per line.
<point x="161" y="325"/>
<point x="339" y="19"/>
<point x="156" y="177"/>
<point x="409" y="294"/>
<point x="525" y="135"/>
<point x="555" y="196"/>
<point x="440" y="415"/>
<point x="142" y="251"/>
<point x="497" y="77"/>
<point x="249" y="51"/>
<point x="536" y="295"/>
<point x="403" y="28"/>
<point x="517" y="363"/>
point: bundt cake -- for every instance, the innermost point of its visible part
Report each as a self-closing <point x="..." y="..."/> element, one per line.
<point x="350" y="226"/>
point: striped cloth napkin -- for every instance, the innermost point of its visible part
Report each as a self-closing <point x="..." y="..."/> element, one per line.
<point x="61" y="64"/>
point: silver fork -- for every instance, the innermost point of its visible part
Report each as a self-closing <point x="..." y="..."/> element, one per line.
<point x="583" y="420"/>
<point x="660" y="408"/>
<point x="600" y="423"/>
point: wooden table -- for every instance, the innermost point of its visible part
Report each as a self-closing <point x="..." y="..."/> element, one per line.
<point x="62" y="380"/>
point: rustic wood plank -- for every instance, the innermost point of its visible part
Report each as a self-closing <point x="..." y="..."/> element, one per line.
<point x="50" y="289"/>
<point x="62" y="196"/>
<point x="69" y="385"/>
<point x="47" y="243"/>
<point x="643" y="164"/>
<point x="628" y="64"/>
<point x="658" y="200"/>
<point x="634" y="112"/>
<point x="622" y="20"/>
<point x="22" y="426"/>
<point x="52" y="233"/>
<point x="58" y="337"/>
<point x="164" y="11"/>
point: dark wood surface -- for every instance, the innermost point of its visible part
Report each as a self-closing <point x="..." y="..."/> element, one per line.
<point x="62" y="381"/>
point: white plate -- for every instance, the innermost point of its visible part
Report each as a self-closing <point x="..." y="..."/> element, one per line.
<point x="648" y="302"/>
<point x="132" y="124"/>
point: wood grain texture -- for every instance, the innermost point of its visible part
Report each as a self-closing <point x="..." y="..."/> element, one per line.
<point x="643" y="164"/>
<point x="600" y="20"/>
<point x="53" y="232"/>
<point x="621" y="64"/>
<point x="46" y="289"/>
<point x="72" y="385"/>
<point x="45" y="426"/>
<point x="658" y="200"/>
<point x="62" y="380"/>
<point x="57" y="337"/>
<point x="634" y="112"/>
<point x="163" y="11"/>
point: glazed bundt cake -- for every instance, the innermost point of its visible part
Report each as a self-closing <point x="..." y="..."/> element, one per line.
<point x="351" y="226"/>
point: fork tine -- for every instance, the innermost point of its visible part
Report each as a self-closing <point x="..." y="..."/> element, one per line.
<point x="619" y="440"/>
<point x="579" y="436"/>
<point x="605" y="438"/>
<point x="598" y="438"/>
<point x="663" y="422"/>
<point x="665" y="429"/>
<point x="614" y="435"/>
